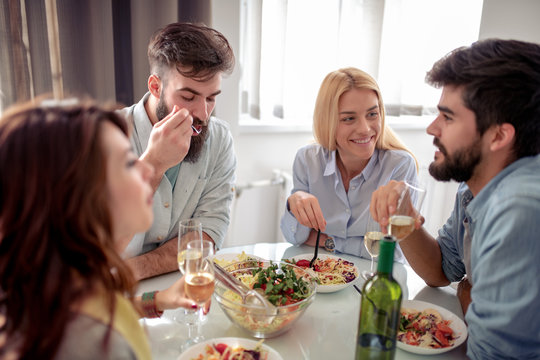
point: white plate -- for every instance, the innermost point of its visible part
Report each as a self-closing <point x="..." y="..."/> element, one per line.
<point x="327" y="288"/>
<point x="235" y="257"/>
<point x="459" y="327"/>
<point x="195" y="350"/>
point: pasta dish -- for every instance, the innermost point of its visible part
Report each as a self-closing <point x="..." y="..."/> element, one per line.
<point x="329" y="271"/>
<point x="225" y="352"/>
<point x="425" y="329"/>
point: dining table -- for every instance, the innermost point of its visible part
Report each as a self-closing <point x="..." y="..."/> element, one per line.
<point x="327" y="329"/>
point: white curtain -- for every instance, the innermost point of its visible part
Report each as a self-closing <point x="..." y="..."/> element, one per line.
<point x="290" y="45"/>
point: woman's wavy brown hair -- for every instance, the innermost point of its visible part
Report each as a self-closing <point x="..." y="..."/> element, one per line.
<point x="56" y="244"/>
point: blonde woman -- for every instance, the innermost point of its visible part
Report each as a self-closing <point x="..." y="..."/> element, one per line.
<point x="355" y="153"/>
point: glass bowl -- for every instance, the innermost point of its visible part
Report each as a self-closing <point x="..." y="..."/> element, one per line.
<point x="254" y="318"/>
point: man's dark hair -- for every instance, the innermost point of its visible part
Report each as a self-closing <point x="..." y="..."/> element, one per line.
<point x="501" y="82"/>
<point x="195" y="50"/>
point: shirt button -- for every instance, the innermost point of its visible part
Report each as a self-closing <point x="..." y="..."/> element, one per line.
<point x="166" y="205"/>
<point x="353" y="187"/>
<point x="347" y="211"/>
<point x="160" y="238"/>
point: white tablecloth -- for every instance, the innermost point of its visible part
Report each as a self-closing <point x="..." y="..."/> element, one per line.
<point x="328" y="328"/>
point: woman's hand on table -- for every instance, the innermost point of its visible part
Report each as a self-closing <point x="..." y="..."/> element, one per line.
<point x="175" y="297"/>
<point x="306" y="209"/>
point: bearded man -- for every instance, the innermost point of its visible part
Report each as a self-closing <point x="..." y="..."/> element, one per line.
<point x="488" y="137"/>
<point x="191" y="151"/>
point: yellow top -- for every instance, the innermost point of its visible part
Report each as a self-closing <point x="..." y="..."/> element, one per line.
<point x="126" y="322"/>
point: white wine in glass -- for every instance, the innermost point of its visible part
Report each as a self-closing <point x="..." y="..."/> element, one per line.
<point x="408" y="209"/>
<point x="372" y="242"/>
<point x="188" y="231"/>
<point x="200" y="283"/>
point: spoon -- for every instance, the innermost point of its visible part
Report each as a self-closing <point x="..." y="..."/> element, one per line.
<point x="316" y="249"/>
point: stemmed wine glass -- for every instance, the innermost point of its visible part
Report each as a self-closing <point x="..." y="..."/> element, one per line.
<point x="408" y="208"/>
<point x="188" y="230"/>
<point x="199" y="282"/>
<point x="372" y="239"/>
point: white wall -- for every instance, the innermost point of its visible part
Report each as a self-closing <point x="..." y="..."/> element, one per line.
<point x="259" y="152"/>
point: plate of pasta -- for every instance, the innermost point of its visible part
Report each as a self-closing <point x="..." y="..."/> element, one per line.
<point x="333" y="273"/>
<point x="230" y="348"/>
<point x="428" y="329"/>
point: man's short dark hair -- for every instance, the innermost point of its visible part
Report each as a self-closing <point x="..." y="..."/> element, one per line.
<point x="195" y="50"/>
<point x="501" y="82"/>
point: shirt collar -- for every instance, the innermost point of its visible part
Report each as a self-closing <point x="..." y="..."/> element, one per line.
<point x="331" y="164"/>
<point x="142" y="122"/>
<point x="477" y="204"/>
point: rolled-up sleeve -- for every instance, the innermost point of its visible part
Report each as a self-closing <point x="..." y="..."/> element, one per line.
<point x="450" y="244"/>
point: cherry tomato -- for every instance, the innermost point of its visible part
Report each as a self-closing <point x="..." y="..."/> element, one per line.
<point x="302" y="263"/>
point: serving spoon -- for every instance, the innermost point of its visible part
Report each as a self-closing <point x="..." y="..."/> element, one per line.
<point x="249" y="296"/>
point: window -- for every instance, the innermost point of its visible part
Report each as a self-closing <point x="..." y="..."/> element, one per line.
<point x="288" y="47"/>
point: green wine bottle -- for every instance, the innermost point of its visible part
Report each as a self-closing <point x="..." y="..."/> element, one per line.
<point x="380" y="309"/>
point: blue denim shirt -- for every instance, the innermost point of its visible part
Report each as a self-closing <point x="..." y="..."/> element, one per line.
<point x="504" y="218"/>
<point x="315" y="171"/>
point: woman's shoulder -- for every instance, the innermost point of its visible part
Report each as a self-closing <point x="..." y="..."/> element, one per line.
<point x="313" y="150"/>
<point x="395" y="156"/>
<point x="84" y="337"/>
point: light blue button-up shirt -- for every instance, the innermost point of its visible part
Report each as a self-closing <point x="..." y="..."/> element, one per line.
<point x="504" y="222"/>
<point x="315" y="171"/>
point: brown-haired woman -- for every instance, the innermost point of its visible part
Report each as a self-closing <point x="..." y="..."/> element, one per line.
<point x="72" y="194"/>
<point x="355" y="153"/>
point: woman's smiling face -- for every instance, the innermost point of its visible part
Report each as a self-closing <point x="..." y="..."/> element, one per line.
<point x="359" y="125"/>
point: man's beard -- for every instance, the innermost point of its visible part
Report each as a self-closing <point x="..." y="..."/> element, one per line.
<point x="197" y="142"/>
<point x="459" y="166"/>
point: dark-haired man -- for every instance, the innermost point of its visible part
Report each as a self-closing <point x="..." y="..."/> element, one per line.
<point x="488" y="137"/>
<point x="191" y="152"/>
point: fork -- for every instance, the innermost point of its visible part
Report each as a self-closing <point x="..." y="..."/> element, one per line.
<point x="316" y="249"/>
<point x="195" y="129"/>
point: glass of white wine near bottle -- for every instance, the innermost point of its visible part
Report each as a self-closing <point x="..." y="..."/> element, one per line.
<point x="380" y="308"/>
<point x="372" y="238"/>
<point x="402" y="222"/>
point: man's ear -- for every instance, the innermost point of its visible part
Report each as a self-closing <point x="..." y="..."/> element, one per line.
<point x="503" y="136"/>
<point x="154" y="85"/>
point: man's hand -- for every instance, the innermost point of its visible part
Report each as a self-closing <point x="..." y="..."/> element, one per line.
<point x="169" y="142"/>
<point x="307" y="211"/>
<point x="384" y="202"/>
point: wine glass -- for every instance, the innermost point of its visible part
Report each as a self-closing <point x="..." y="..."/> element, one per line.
<point x="189" y="230"/>
<point x="402" y="222"/>
<point x="199" y="283"/>
<point x="372" y="239"/>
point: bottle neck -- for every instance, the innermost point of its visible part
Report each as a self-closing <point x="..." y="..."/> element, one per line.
<point x="386" y="255"/>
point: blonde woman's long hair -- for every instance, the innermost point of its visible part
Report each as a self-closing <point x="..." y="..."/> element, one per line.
<point x="326" y="115"/>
